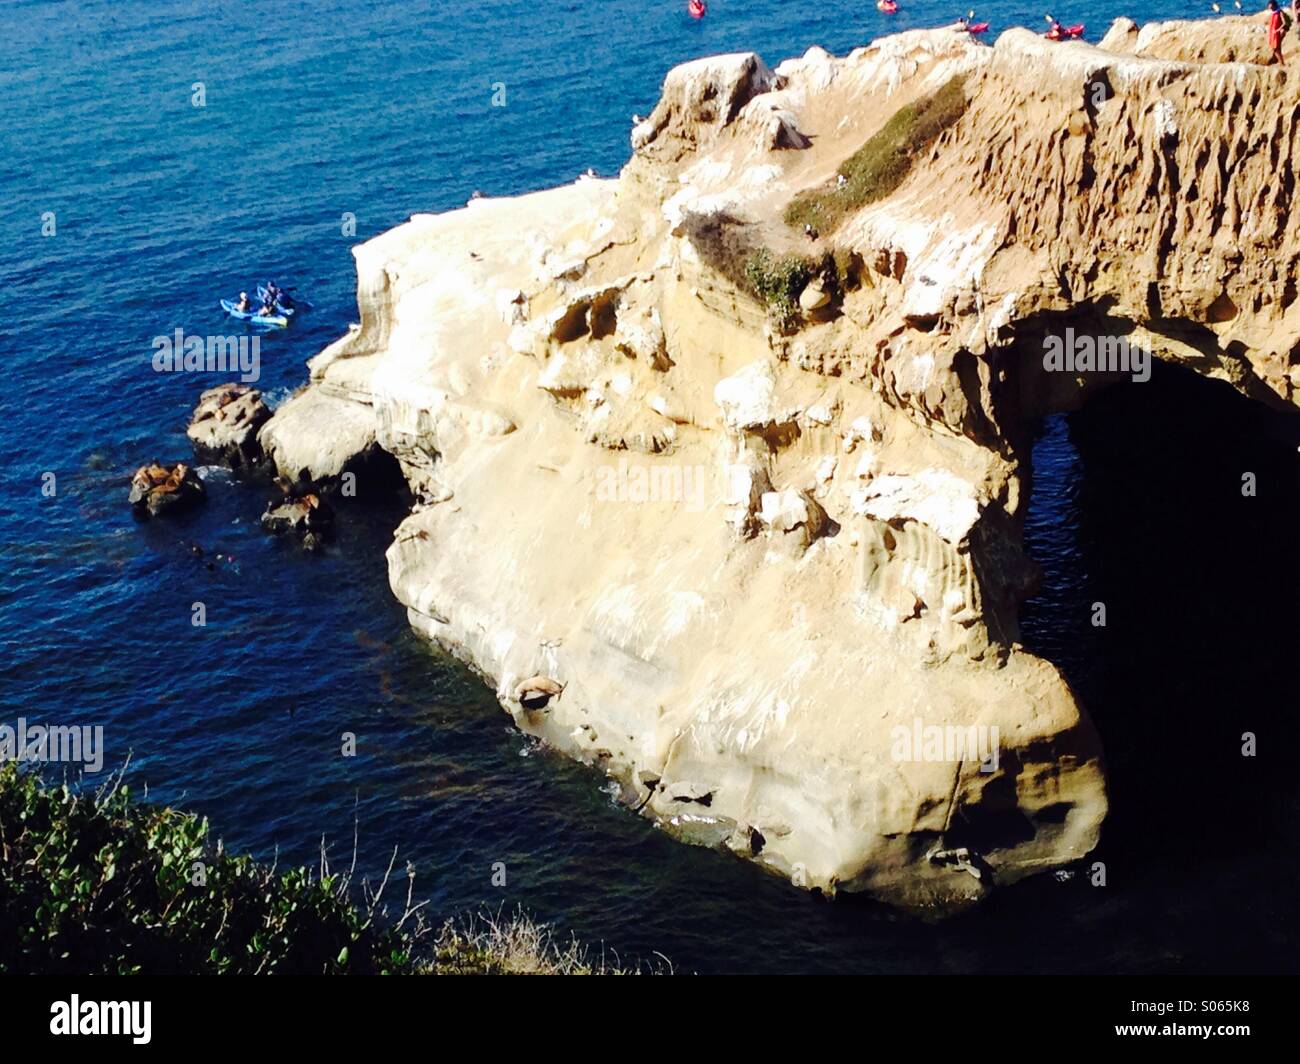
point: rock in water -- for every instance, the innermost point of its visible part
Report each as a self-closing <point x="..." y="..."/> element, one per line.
<point x="225" y="424"/>
<point x="307" y="517"/>
<point x="158" y="489"/>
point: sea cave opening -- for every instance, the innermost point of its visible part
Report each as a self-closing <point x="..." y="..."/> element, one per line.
<point x="1166" y="518"/>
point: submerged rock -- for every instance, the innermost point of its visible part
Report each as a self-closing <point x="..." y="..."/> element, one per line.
<point x="158" y="489"/>
<point x="225" y="424"/>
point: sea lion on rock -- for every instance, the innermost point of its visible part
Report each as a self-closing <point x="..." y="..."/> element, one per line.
<point x="225" y="424"/>
<point x="157" y="489"/>
<point x="307" y="516"/>
<point x="537" y="691"/>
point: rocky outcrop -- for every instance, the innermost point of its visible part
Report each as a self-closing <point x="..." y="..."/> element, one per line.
<point x="225" y="424"/>
<point x="315" y="436"/>
<point x="1232" y="39"/>
<point x="763" y="568"/>
<point x="158" y="490"/>
<point x="702" y="100"/>
<point x="305" y="517"/>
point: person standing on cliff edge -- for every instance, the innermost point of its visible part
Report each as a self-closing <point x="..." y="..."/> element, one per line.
<point x="1275" y="30"/>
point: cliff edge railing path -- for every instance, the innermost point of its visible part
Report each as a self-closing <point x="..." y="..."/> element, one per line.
<point x="721" y="464"/>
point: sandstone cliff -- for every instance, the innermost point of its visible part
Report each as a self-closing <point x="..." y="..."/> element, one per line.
<point x="740" y="543"/>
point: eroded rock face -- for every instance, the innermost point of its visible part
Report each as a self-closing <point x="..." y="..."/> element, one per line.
<point x="746" y="570"/>
<point x="703" y="98"/>
<point x="315" y="435"/>
<point x="1231" y="39"/>
<point x="225" y="425"/>
<point x="158" y="490"/>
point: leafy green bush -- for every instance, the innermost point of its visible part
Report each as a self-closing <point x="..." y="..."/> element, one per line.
<point x="94" y="882"/>
<point x="880" y="166"/>
<point x="778" y="282"/>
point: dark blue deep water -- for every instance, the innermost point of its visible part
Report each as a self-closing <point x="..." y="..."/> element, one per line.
<point x="314" y="109"/>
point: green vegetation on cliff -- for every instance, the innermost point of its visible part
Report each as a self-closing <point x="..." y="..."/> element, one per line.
<point x="778" y="281"/>
<point x="731" y="248"/>
<point x="881" y="165"/>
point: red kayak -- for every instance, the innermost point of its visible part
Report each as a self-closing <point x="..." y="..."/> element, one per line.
<point x="977" y="27"/>
<point x="697" y="8"/>
<point x="1065" y="33"/>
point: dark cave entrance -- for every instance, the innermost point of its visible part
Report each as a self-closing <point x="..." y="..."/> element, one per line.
<point x="1137" y="504"/>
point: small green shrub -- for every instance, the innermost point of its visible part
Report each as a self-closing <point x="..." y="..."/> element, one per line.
<point x="723" y="244"/>
<point x="778" y="282"/>
<point x="848" y="269"/>
<point x="881" y="165"/>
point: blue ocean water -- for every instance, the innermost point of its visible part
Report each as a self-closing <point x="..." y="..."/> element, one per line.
<point x="315" y="109"/>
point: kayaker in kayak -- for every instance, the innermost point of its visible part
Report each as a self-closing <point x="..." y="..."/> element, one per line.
<point x="1275" y="30"/>
<point x="242" y="305"/>
<point x="273" y="292"/>
<point x="268" y="308"/>
<point x="1057" y="32"/>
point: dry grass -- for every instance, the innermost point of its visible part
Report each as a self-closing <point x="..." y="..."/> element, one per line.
<point x="497" y="944"/>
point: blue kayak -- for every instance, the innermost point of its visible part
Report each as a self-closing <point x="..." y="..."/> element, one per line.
<point x="255" y="318"/>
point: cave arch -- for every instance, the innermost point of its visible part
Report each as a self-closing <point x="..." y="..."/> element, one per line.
<point x="1137" y="502"/>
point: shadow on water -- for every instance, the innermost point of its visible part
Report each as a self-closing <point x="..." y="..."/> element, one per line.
<point x="1139" y="506"/>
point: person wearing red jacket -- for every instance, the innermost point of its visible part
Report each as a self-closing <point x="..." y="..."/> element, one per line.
<point x="1275" y="30"/>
